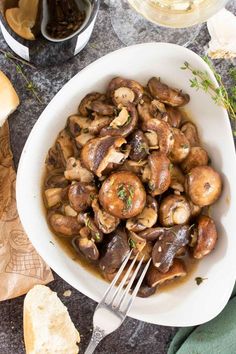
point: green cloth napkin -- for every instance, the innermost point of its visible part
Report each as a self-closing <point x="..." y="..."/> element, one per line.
<point x="217" y="336"/>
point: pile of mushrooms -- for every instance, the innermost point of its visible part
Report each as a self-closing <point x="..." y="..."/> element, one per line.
<point x="128" y="172"/>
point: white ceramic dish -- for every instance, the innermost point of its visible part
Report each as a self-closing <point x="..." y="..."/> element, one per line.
<point x="184" y="305"/>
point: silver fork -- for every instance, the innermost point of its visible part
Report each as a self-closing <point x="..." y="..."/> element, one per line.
<point x="116" y="303"/>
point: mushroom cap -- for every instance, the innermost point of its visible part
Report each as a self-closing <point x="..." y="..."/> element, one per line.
<point x="197" y="157"/>
<point x="122" y="195"/>
<point x="160" y="172"/>
<point x="206" y="237"/>
<point x="154" y="277"/>
<point x="180" y="148"/>
<point x="190" y="131"/>
<point x="174" y="210"/>
<point x="64" y="225"/>
<point x="203" y="185"/>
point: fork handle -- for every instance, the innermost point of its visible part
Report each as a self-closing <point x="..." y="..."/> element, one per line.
<point x="97" y="336"/>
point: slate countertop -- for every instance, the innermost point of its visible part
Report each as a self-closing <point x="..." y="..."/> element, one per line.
<point x="134" y="336"/>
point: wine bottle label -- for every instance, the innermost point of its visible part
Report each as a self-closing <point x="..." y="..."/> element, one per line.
<point x="17" y="47"/>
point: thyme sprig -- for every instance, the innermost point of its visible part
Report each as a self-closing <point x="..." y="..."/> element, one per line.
<point x="202" y="81"/>
<point x="28" y="84"/>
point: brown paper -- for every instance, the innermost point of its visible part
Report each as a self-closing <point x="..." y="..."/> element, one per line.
<point x="20" y="265"/>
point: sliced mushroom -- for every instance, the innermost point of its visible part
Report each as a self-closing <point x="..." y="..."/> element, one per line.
<point x="145" y="111"/>
<point x="174" y="116"/>
<point x="98" y="123"/>
<point x="69" y="211"/>
<point x="116" y="249"/>
<point x="83" y="138"/>
<point x="203" y="185"/>
<point x="197" y="157"/>
<point x="64" y="225"/>
<point x="81" y="195"/>
<point x="160" y="172"/>
<point x="190" y="131"/>
<point x="85" y="104"/>
<point x="146" y="219"/>
<point x="180" y="148"/>
<point x="168" y="244"/>
<point x="101" y="153"/>
<point x="105" y="221"/>
<point x="152" y="139"/>
<point x="53" y="196"/>
<point x="66" y="145"/>
<point x="102" y="108"/>
<point x="139" y="146"/>
<point x="146" y="291"/>
<point x="174" y="210"/>
<point x="77" y="124"/>
<point x="164" y="133"/>
<point x="76" y="172"/>
<point x="56" y="179"/>
<point x="154" y="277"/>
<point x="125" y="91"/>
<point x="124" y="124"/>
<point x="166" y="94"/>
<point x="206" y="237"/>
<point x="122" y="195"/>
<point x="177" y="178"/>
<point x="87" y="247"/>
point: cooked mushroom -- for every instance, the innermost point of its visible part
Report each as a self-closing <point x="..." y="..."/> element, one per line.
<point x="81" y="195"/>
<point x="76" y="172"/>
<point x="152" y="233"/>
<point x="124" y="124"/>
<point x="152" y="139"/>
<point x="53" y="196"/>
<point x="124" y="91"/>
<point x="92" y="230"/>
<point x="203" y="185"/>
<point x="136" y="242"/>
<point x="116" y="249"/>
<point x="98" y="123"/>
<point x="163" y="131"/>
<point x="111" y="276"/>
<point x="166" y="94"/>
<point x="190" y="131"/>
<point x="139" y="146"/>
<point x="145" y="110"/>
<point x="102" y="108"/>
<point x="69" y="211"/>
<point x="195" y="209"/>
<point x="180" y="148"/>
<point x="174" y="116"/>
<point x="122" y="195"/>
<point x="101" y="153"/>
<point x="168" y="244"/>
<point x="160" y="172"/>
<point x="146" y="291"/>
<point x="56" y="179"/>
<point x="154" y="277"/>
<point x="146" y="219"/>
<point x="174" y="210"/>
<point x="77" y="124"/>
<point x="87" y="247"/>
<point x="83" y="139"/>
<point x="133" y="166"/>
<point x="197" y="157"/>
<point x="64" y="225"/>
<point x="177" y="178"/>
<point x="206" y="237"/>
<point x="85" y="105"/>
<point x="146" y="252"/>
<point x="105" y="221"/>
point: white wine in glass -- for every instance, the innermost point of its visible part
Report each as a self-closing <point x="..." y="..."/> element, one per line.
<point x="175" y="21"/>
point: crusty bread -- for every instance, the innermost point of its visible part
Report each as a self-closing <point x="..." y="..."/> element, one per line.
<point x="48" y="328"/>
<point x="9" y="99"/>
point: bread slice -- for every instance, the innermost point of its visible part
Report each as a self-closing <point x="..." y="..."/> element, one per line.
<point x="9" y="99"/>
<point x="48" y="328"/>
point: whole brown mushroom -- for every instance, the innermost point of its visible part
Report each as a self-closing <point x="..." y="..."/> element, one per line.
<point x="105" y="221"/>
<point x="85" y="104"/>
<point x="180" y="148"/>
<point x="174" y="210"/>
<point x="124" y="91"/>
<point x="64" y="225"/>
<point x="81" y="195"/>
<point x="160" y="176"/>
<point x="190" y="131"/>
<point x="206" y="237"/>
<point x="122" y="195"/>
<point x="197" y="157"/>
<point x="166" y="94"/>
<point x="139" y="146"/>
<point x="203" y="185"/>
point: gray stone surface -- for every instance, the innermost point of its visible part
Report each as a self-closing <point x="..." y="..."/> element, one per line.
<point x="134" y="336"/>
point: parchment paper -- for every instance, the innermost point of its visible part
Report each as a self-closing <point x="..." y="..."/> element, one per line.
<point x="20" y="265"/>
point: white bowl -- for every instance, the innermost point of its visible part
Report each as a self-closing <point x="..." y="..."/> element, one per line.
<point x="187" y="304"/>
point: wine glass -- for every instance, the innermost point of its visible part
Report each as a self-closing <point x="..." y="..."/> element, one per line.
<point x="173" y="21"/>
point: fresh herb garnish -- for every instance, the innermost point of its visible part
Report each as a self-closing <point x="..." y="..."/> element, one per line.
<point x="126" y="193"/>
<point x="199" y="280"/>
<point x="132" y="243"/>
<point x="202" y="81"/>
<point x="97" y="236"/>
<point x="29" y="85"/>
